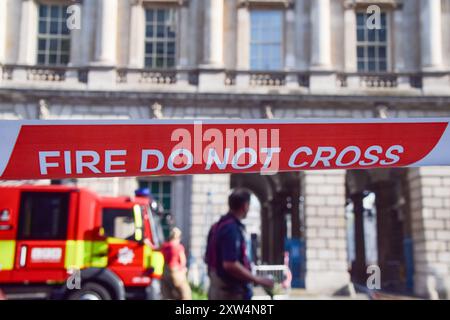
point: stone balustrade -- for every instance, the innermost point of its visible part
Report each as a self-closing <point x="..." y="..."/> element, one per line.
<point x="233" y="79"/>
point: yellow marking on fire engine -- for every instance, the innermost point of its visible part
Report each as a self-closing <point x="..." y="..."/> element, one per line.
<point x="81" y="254"/>
<point x="147" y="256"/>
<point x="99" y="258"/>
<point x="116" y="241"/>
<point x="157" y="263"/>
<point x="7" y="249"/>
<point x="137" y="216"/>
<point x="138" y="222"/>
<point x="75" y="254"/>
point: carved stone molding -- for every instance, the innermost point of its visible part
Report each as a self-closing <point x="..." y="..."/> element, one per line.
<point x="166" y="2"/>
<point x="363" y="4"/>
<point x="280" y="3"/>
<point x="156" y="111"/>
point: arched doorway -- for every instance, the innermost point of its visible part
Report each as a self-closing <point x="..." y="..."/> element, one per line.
<point x="281" y="217"/>
<point x="380" y="214"/>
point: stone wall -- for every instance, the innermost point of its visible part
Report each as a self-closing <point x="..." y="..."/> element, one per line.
<point x="326" y="255"/>
<point x="208" y="202"/>
<point x="430" y="212"/>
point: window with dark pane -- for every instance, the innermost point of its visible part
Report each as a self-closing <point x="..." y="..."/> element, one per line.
<point x="160" y="38"/>
<point x="43" y="216"/>
<point x="53" y="35"/>
<point x="372" y="44"/>
<point x="161" y="190"/>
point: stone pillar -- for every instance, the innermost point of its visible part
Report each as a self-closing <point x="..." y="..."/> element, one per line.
<point x="209" y="200"/>
<point x="243" y="45"/>
<point x="399" y="52"/>
<point x="102" y="71"/>
<point x="434" y="80"/>
<point x="28" y="33"/>
<point x="322" y="78"/>
<point x="137" y="36"/>
<point x="326" y="255"/>
<point x="213" y="33"/>
<point x="230" y="34"/>
<point x="351" y="61"/>
<point x="431" y="35"/>
<point x="212" y="75"/>
<point x="106" y="37"/>
<point x="184" y="43"/>
<point x="3" y="26"/>
<point x="301" y="34"/>
<point x="76" y="44"/>
<point x="399" y="30"/>
<point x="321" y="34"/>
<point x="289" y="45"/>
<point x="429" y="189"/>
<point x="76" y="36"/>
<point x="88" y="31"/>
<point x="359" y="267"/>
<point x="27" y="39"/>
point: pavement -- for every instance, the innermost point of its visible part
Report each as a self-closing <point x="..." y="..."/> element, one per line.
<point x="302" y="294"/>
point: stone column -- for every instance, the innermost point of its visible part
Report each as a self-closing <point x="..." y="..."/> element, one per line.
<point x="289" y="47"/>
<point x="431" y="35"/>
<point x="399" y="30"/>
<point x="213" y="33"/>
<point x="137" y="35"/>
<point x="301" y="34"/>
<point x="88" y="31"/>
<point x="3" y="26"/>
<point x="184" y="42"/>
<point x="27" y="39"/>
<point x="243" y="45"/>
<point x="102" y="73"/>
<point x="321" y="34"/>
<point x="399" y="52"/>
<point x="76" y="43"/>
<point x="359" y="267"/>
<point x="28" y="33"/>
<point x="322" y="79"/>
<point x="350" y="38"/>
<point x="326" y="255"/>
<point x="429" y="189"/>
<point x="106" y="37"/>
<point x="212" y="75"/>
<point x="431" y="48"/>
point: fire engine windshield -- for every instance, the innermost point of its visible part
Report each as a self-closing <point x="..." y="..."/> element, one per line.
<point x="155" y="225"/>
<point x="119" y="223"/>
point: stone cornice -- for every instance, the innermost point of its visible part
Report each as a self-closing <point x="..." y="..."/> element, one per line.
<point x="281" y="3"/>
<point x="363" y="4"/>
<point x="166" y="2"/>
<point x="362" y="101"/>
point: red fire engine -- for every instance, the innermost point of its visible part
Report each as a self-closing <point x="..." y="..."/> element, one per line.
<point x="63" y="242"/>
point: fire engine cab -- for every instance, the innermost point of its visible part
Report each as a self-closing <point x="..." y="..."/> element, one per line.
<point x="63" y="242"/>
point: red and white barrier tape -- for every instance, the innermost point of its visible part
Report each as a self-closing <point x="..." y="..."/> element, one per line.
<point x="63" y="149"/>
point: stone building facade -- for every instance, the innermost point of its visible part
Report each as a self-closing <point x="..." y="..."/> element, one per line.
<point x="147" y="59"/>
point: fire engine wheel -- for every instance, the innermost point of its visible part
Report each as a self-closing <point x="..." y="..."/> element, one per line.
<point x="90" y="291"/>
